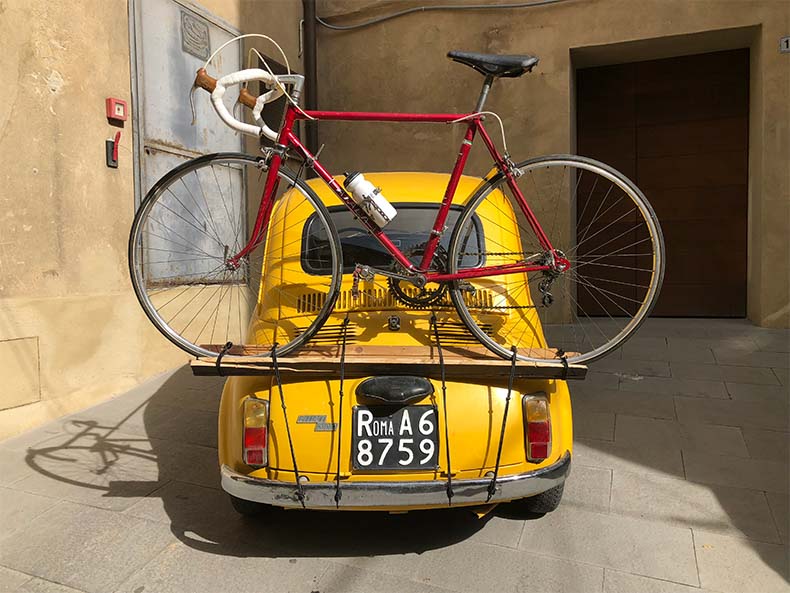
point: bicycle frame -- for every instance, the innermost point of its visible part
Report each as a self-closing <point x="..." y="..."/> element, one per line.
<point x="287" y="139"/>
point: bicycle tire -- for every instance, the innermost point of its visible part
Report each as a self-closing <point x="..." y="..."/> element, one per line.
<point x="288" y="335"/>
<point x="544" y="327"/>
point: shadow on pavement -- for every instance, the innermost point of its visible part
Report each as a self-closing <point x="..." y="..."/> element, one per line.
<point x="162" y="447"/>
<point x="157" y="448"/>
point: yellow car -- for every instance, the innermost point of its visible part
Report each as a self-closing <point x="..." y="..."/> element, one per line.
<point x="386" y="446"/>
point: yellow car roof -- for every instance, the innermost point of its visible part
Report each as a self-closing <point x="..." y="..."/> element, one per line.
<point x="404" y="187"/>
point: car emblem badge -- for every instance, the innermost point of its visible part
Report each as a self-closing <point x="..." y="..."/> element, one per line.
<point x="321" y="425"/>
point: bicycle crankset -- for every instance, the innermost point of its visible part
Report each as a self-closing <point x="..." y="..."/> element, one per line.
<point x="425" y="295"/>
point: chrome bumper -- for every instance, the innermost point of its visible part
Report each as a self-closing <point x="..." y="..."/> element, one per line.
<point x="423" y="494"/>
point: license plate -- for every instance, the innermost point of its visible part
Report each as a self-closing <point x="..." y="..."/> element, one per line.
<point x="395" y="439"/>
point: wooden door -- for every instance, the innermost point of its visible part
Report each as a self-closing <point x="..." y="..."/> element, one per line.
<point x="678" y="128"/>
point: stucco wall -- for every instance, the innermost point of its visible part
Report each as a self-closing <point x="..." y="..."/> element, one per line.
<point x="400" y="65"/>
<point x="71" y="331"/>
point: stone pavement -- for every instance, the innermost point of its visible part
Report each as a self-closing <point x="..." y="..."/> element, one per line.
<point x="679" y="484"/>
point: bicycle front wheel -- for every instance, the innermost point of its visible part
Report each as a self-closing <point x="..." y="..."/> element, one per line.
<point x="187" y="274"/>
<point x="596" y="218"/>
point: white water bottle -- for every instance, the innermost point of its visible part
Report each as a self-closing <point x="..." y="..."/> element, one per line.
<point x="369" y="198"/>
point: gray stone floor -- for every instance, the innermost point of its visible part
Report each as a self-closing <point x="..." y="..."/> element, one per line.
<point x="680" y="484"/>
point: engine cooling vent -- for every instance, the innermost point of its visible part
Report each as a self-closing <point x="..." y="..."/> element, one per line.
<point x="310" y="302"/>
<point x="382" y="298"/>
<point x="333" y="334"/>
<point x="456" y="333"/>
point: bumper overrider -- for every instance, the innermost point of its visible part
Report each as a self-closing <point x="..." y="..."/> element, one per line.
<point x="429" y="493"/>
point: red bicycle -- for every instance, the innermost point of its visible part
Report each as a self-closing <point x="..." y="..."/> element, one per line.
<point x="579" y="267"/>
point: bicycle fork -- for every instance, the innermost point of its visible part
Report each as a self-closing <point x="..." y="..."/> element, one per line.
<point x="272" y="164"/>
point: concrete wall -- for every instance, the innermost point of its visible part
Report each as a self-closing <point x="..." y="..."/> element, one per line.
<point x="71" y="331"/>
<point x="400" y="65"/>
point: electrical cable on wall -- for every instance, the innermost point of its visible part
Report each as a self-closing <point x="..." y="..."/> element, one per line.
<point x="381" y="19"/>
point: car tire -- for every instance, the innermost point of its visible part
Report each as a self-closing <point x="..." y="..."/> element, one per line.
<point x="543" y="503"/>
<point x="248" y="508"/>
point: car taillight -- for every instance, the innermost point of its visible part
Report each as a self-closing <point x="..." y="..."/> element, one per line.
<point x="256" y="422"/>
<point x="538" y="427"/>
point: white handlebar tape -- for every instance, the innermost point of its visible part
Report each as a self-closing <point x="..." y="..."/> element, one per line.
<point x="238" y="78"/>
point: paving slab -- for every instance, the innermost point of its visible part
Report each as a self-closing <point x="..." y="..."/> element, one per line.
<point x="645" y="368"/>
<point x="757" y="414"/>
<point x="752" y="359"/>
<point x="204" y="397"/>
<point x="686" y="370"/>
<point x="614" y="541"/>
<point x="594" y="381"/>
<point x="652" y="405"/>
<point x="594" y="425"/>
<point x="180" y="568"/>
<point x="768" y="444"/>
<point x="688" y="351"/>
<point x="748" y="374"/>
<point x="36" y="436"/>
<point x="83" y="547"/>
<point x="673" y="328"/>
<point x="185" y="505"/>
<point x="672" y="386"/>
<point x="11" y="580"/>
<point x="644" y="348"/>
<point x="340" y="578"/>
<point x="185" y="425"/>
<point x="110" y="472"/>
<point x="501" y="528"/>
<point x="742" y="343"/>
<point x="672" y="501"/>
<point x="749" y="392"/>
<point x="658" y="434"/>
<point x="37" y="585"/>
<point x="618" y="457"/>
<point x="773" y="342"/>
<point x="623" y="582"/>
<point x="588" y="488"/>
<point x="194" y="464"/>
<point x="734" y="565"/>
<point x="474" y="567"/>
<point x="757" y="474"/>
<point x="779" y="504"/>
<point x="17" y="510"/>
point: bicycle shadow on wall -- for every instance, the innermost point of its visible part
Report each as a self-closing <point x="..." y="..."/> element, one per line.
<point x="161" y="451"/>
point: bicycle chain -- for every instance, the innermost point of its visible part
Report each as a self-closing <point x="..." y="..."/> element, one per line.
<point x="496" y="253"/>
<point x="452" y="307"/>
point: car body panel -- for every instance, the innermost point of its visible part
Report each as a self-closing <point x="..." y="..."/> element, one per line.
<point x="474" y="410"/>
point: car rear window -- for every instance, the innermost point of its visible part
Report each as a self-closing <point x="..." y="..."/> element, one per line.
<point x="409" y="229"/>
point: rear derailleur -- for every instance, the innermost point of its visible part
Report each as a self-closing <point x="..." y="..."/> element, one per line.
<point x="559" y="264"/>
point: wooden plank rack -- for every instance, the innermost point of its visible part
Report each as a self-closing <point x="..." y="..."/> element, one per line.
<point x="320" y="361"/>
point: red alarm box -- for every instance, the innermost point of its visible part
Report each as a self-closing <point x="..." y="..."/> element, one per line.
<point x="116" y="109"/>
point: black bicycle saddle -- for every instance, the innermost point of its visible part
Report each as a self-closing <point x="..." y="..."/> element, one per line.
<point x="495" y="65"/>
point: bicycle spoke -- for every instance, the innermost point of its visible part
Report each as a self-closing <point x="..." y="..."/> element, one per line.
<point x="197" y="228"/>
<point x="183" y="268"/>
<point x="590" y="308"/>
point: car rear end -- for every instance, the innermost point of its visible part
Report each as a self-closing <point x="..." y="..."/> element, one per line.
<point x="392" y="456"/>
<point x="385" y="442"/>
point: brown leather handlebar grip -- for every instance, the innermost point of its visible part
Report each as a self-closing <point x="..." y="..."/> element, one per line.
<point x="247" y="98"/>
<point x="204" y="81"/>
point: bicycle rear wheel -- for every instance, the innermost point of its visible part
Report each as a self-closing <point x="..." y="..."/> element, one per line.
<point x="596" y="218"/>
<point x="181" y="259"/>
